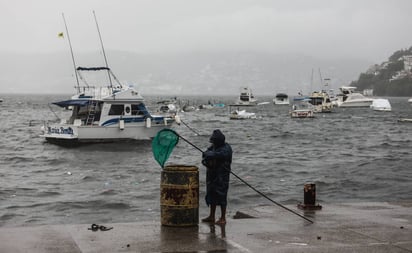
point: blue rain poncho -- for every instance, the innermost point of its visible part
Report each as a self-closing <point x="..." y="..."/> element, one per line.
<point x="217" y="159"/>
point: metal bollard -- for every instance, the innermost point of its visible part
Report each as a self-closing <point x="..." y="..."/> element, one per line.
<point x="309" y="198"/>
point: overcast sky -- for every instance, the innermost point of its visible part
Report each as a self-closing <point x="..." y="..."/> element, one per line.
<point x="366" y="29"/>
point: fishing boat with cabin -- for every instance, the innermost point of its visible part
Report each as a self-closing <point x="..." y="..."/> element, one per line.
<point x="104" y="112"/>
<point x="321" y="101"/>
<point x="246" y="97"/>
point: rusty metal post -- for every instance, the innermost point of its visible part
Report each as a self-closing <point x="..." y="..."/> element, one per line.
<point x="309" y="198"/>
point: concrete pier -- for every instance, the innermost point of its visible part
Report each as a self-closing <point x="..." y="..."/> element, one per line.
<point x="366" y="227"/>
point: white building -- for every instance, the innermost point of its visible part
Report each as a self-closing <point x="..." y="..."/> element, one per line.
<point x="407" y="63"/>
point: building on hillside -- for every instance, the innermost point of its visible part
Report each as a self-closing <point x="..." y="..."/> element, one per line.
<point x="407" y="63"/>
<point x="368" y="92"/>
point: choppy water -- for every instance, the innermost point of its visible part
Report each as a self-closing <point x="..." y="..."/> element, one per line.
<point x="352" y="155"/>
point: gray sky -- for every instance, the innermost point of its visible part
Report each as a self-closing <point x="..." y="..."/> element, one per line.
<point x="367" y="29"/>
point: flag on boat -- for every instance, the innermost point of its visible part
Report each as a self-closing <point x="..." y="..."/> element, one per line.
<point x="163" y="145"/>
<point x="60" y="35"/>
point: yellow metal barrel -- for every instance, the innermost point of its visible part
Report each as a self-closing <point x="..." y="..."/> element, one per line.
<point x="179" y="195"/>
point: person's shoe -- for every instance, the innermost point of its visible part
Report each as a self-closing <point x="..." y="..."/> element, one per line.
<point x="220" y="222"/>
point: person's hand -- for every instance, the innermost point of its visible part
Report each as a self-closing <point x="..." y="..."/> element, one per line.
<point x="207" y="154"/>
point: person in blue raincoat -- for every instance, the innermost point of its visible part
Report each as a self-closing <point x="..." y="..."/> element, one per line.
<point x="217" y="159"/>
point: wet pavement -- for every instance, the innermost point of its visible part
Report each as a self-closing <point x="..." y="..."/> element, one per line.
<point x="366" y="227"/>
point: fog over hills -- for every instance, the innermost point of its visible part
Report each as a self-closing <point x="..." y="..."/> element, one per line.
<point x="195" y="73"/>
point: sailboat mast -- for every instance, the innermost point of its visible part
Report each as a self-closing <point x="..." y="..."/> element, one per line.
<point x="71" y="51"/>
<point x="311" y="82"/>
<point x="104" y="53"/>
<point x="321" y="80"/>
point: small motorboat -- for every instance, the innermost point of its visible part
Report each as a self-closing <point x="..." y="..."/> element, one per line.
<point x="281" y="99"/>
<point x="302" y="109"/>
<point x="381" y="104"/>
<point x="242" y="114"/>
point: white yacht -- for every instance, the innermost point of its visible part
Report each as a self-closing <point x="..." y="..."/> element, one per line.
<point x="103" y="111"/>
<point x="281" y="99"/>
<point x="246" y="97"/>
<point x="105" y="114"/>
<point x="350" y="98"/>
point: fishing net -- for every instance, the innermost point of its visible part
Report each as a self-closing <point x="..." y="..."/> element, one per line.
<point x="163" y="144"/>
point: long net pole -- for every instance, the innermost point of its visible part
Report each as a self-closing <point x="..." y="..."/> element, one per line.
<point x="253" y="188"/>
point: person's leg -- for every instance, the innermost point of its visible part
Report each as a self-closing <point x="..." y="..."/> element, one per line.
<point x="222" y="219"/>
<point x="211" y="217"/>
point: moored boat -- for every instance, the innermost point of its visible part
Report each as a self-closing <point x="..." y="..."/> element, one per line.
<point x="242" y="114"/>
<point x="350" y="98"/>
<point x="281" y="99"/>
<point x="302" y="109"/>
<point x="235" y="112"/>
<point x="168" y="106"/>
<point x="105" y="114"/>
<point x="321" y="101"/>
<point x="381" y="104"/>
<point x="246" y="97"/>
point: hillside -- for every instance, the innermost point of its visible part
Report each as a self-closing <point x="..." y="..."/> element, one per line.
<point x="195" y="73"/>
<point x="390" y="78"/>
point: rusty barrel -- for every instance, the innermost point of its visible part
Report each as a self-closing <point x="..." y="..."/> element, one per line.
<point x="179" y="195"/>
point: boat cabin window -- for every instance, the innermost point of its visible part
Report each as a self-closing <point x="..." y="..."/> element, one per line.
<point x="316" y="101"/>
<point x="116" y="110"/>
<point x="244" y="97"/>
<point x="137" y="110"/>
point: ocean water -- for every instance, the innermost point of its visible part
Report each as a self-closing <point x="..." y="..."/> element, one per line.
<point x="352" y="155"/>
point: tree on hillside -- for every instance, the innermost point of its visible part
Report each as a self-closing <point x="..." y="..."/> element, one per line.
<point x="381" y="81"/>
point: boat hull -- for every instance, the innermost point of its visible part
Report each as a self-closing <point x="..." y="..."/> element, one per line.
<point x="367" y="103"/>
<point x="70" y="134"/>
<point x="281" y="102"/>
<point x="302" y="114"/>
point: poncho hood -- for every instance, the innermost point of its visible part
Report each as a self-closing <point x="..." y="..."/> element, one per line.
<point x="217" y="138"/>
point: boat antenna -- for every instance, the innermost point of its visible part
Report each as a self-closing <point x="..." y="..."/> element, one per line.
<point x="321" y="79"/>
<point x="104" y="53"/>
<point x="71" y="51"/>
<point x="327" y="80"/>
<point x="311" y="82"/>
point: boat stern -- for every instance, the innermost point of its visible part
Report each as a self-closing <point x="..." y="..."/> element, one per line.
<point x="58" y="132"/>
